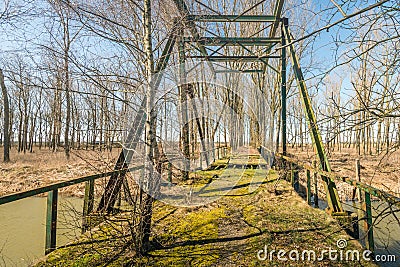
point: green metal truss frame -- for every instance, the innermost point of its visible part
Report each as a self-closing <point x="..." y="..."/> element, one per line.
<point x="335" y="206"/>
<point x="332" y="196"/>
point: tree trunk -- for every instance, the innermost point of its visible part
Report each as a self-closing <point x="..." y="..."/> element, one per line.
<point x="144" y="227"/>
<point x="6" y="134"/>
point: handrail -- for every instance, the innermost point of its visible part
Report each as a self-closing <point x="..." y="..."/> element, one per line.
<point x="52" y="198"/>
<point x="382" y="195"/>
<point x="368" y="191"/>
<point x="52" y="201"/>
<point x="29" y="193"/>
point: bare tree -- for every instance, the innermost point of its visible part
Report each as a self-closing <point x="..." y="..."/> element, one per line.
<point x="6" y="142"/>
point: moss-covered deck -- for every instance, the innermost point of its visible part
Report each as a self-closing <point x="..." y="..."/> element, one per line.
<point x="261" y="211"/>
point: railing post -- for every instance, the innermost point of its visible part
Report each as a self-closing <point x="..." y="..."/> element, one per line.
<point x="308" y="174"/>
<point x="316" y="204"/>
<point x="170" y="172"/>
<point x="51" y="221"/>
<point x="368" y="223"/>
<point x="87" y="203"/>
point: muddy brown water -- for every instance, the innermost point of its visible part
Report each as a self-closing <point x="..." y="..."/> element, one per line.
<point x="22" y="228"/>
<point x="386" y="229"/>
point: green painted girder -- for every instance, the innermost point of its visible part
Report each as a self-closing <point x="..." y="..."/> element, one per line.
<point x="277" y="14"/>
<point x="330" y="187"/>
<point x="114" y="184"/>
<point x="183" y="9"/>
<point x="283" y="92"/>
<point x="238" y="71"/>
<point x="233" y="41"/>
<point x="51" y="221"/>
<point x="235" y="58"/>
<point x="232" y="18"/>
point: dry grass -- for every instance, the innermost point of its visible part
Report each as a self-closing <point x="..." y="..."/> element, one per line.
<point x="44" y="167"/>
<point x="381" y="171"/>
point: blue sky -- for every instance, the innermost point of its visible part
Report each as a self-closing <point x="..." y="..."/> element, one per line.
<point x="323" y="47"/>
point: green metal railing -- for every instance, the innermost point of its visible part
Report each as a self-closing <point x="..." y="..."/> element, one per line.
<point x="52" y="201"/>
<point x="368" y="190"/>
<point x="88" y="202"/>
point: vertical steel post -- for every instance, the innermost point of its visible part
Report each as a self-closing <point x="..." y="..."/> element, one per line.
<point x="169" y="172"/>
<point x="283" y="85"/>
<point x="308" y="174"/>
<point x="51" y="221"/>
<point x="88" y="203"/>
<point x="368" y="223"/>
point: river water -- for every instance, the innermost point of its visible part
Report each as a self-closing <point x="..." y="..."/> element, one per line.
<point x="22" y="228"/>
<point x="386" y="228"/>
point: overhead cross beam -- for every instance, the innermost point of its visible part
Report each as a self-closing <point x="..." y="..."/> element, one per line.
<point x="235" y="58"/>
<point x="233" y="41"/>
<point x="238" y="71"/>
<point x="232" y="18"/>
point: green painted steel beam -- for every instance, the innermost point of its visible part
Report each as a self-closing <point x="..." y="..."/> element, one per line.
<point x="368" y="223"/>
<point x="234" y="41"/>
<point x="183" y="9"/>
<point x="51" y="221"/>
<point x="331" y="192"/>
<point x="88" y="203"/>
<point x="115" y="182"/>
<point x="238" y="71"/>
<point x="283" y="90"/>
<point x="232" y="18"/>
<point x="165" y="56"/>
<point x="44" y="189"/>
<point x="234" y="58"/>
<point x="277" y="14"/>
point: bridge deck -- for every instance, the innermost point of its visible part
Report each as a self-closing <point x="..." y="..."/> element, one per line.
<point x="258" y="210"/>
